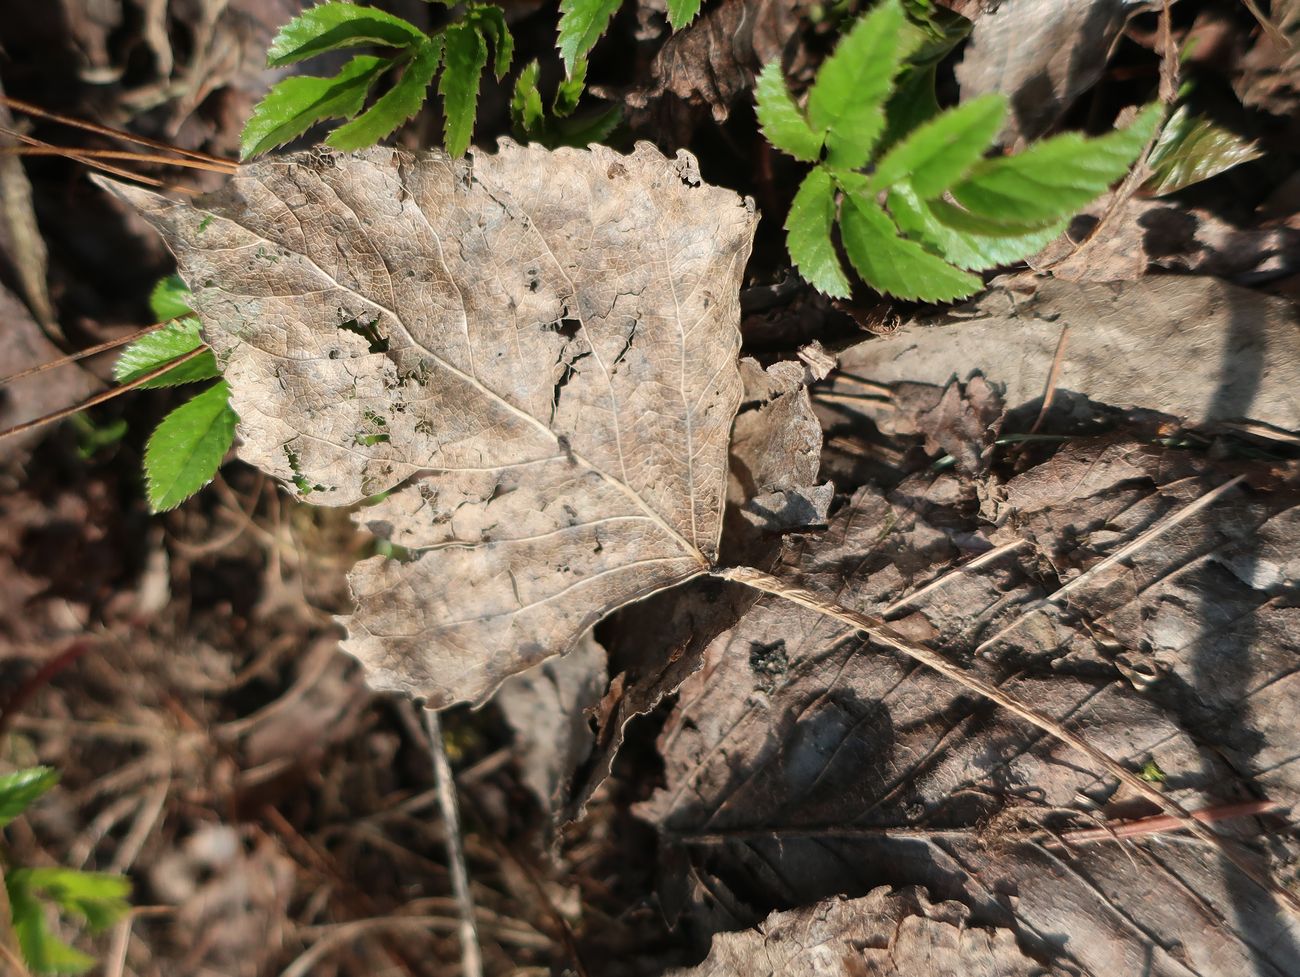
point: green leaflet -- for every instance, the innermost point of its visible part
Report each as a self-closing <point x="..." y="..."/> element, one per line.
<point x="582" y="22"/>
<point x="396" y="105"/>
<point x="682" y="12"/>
<point x="491" y="22"/>
<point x="158" y="348"/>
<point x="1191" y="149"/>
<point x="331" y="26"/>
<point x="526" y="111"/>
<point x="895" y="265"/>
<point x="294" y="105"/>
<point x="932" y="157"/>
<point x="20" y="789"/>
<point x="187" y="448"/>
<point x="170" y="299"/>
<point x="782" y="122"/>
<point x="98" y="898"/>
<point x="466" y="56"/>
<point x="847" y="101"/>
<point x="974" y="252"/>
<point x="808" y="227"/>
<point x="1054" y="178"/>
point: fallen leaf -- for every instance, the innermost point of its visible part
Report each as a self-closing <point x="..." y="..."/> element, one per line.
<point x="658" y="643"/>
<point x="1041" y="54"/>
<point x="1144" y="233"/>
<point x="542" y="344"/>
<point x="1193" y="347"/>
<point x="801" y="764"/>
<point x="883" y="934"/>
<point x="548" y="707"/>
<point x="714" y="61"/>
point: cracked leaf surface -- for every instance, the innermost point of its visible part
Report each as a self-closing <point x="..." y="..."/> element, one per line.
<point x="535" y="350"/>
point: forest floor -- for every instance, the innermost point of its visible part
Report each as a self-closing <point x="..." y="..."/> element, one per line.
<point x="1084" y="484"/>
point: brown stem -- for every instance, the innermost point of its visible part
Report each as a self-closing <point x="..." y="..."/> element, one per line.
<point x="124" y="154"/>
<point x="100" y="398"/>
<point x="68" y="120"/>
<point x="83" y="353"/>
<point x="879" y="631"/>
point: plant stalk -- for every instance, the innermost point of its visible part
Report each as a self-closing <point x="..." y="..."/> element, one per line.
<point x="880" y="632"/>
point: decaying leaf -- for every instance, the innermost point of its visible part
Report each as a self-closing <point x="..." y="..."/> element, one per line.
<point x="801" y="764"/>
<point x="1042" y="54"/>
<point x="533" y="353"/>
<point x="883" y="934"/>
<point x="1193" y="347"/>
<point x="775" y="455"/>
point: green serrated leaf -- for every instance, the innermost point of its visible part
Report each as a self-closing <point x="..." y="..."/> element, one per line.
<point x="492" y="22"/>
<point x="928" y="36"/>
<point x="331" y="26"/>
<point x="526" y="101"/>
<point x="974" y="252"/>
<point x="582" y="24"/>
<point x="187" y="448"/>
<point x="942" y="150"/>
<point x="43" y="952"/>
<point x="893" y="264"/>
<point x="1055" y="178"/>
<point x="581" y="131"/>
<point x="570" y="90"/>
<point x="969" y="223"/>
<point x="466" y="56"/>
<point x="396" y="105"/>
<point x="782" y="122"/>
<point x="848" y="98"/>
<point x="20" y="789"/>
<point x="159" y="348"/>
<point x="97" y="897"/>
<point x="682" y="12"/>
<point x="808" y="234"/>
<point x="170" y="299"/>
<point x="1191" y="149"/>
<point x="296" y="104"/>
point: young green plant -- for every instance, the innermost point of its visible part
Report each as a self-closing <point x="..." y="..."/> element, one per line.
<point x="97" y="898"/>
<point x="296" y="104"/>
<point x="917" y="217"/>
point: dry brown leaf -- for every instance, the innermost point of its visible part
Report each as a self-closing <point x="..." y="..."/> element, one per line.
<point x="800" y="763"/>
<point x="1194" y="347"/>
<point x="542" y="344"/>
<point x="883" y="934"/>
<point x="1042" y="54"/>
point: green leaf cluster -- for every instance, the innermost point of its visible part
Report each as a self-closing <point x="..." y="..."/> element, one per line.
<point x="96" y="898"/>
<point x="189" y="444"/>
<point x="296" y="104"/>
<point x="920" y="210"/>
<point x="562" y="127"/>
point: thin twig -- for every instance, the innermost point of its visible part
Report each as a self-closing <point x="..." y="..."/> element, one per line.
<point x="1053" y="378"/>
<point x="1163" y="822"/>
<point x="954" y="573"/>
<point x="226" y="169"/>
<point x="882" y="633"/>
<point x="103" y="130"/>
<point x="100" y="398"/>
<point x="471" y="960"/>
<point x="82" y="354"/>
<point x="72" y="154"/>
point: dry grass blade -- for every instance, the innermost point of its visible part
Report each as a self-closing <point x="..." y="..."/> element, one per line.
<point x="67" y="120"/>
<point x="226" y="169"/>
<point x="73" y="154"/>
<point x="84" y="353"/>
<point x="100" y="398"/>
